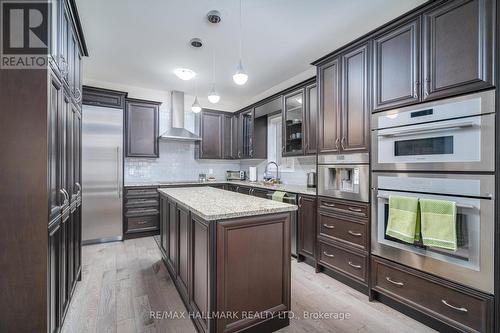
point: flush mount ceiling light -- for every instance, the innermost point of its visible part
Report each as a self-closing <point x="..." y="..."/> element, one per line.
<point x="240" y="77"/>
<point x="185" y="74"/>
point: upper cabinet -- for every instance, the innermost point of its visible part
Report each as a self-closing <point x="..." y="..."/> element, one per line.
<point x="293" y="123"/>
<point x="446" y="51"/>
<point x="141" y="123"/>
<point x="300" y="121"/>
<point x="211" y="135"/>
<point x="354" y="101"/>
<point x="396" y="66"/>
<point x="344" y="111"/>
<point x="218" y="135"/>
<point x="329" y="107"/>
<point x="311" y="119"/>
<point x="458" y="48"/>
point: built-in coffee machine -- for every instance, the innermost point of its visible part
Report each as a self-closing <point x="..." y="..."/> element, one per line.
<point x="344" y="176"/>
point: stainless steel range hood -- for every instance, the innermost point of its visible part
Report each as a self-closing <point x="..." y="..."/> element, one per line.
<point x="177" y="131"/>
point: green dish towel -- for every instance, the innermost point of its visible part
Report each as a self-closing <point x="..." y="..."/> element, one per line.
<point x="404" y="219"/>
<point x="278" y="196"/>
<point x="439" y="223"/>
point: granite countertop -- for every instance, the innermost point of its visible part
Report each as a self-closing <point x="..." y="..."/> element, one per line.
<point x="301" y="189"/>
<point x="216" y="204"/>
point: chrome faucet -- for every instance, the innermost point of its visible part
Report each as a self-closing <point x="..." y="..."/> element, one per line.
<point x="277" y="170"/>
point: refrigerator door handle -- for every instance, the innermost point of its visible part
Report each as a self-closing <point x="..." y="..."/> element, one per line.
<point x="118" y="189"/>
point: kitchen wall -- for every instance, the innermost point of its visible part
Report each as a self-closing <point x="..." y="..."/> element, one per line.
<point x="293" y="170"/>
<point x="177" y="159"/>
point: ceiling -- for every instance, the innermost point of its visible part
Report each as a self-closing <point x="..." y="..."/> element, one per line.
<point x="140" y="43"/>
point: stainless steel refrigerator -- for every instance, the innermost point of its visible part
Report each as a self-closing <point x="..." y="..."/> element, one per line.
<point x="102" y="174"/>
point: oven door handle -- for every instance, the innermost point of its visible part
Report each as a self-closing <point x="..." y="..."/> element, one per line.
<point x="426" y="129"/>
<point x="459" y="205"/>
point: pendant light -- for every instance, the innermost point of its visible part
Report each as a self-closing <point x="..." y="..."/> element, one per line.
<point x="240" y="77"/>
<point x="196" y="107"/>
<point x="213" y="96"/>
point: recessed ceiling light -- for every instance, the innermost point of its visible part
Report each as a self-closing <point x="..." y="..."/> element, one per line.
<point x="184" y="73"/>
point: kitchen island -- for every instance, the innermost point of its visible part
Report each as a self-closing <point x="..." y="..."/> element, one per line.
<point x="229" y="256"/>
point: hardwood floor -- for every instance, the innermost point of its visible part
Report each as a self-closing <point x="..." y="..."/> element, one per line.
<point x="123" y="281"/>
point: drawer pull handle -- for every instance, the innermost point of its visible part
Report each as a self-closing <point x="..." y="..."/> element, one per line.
<point x="328" y="254"/>
<point x="328" y="226"/>
<point x="355" y="234"/>
<point x="328" y="204"/>
<point x="141" y="222"/>
<point x="454" y="307"/>
<point x="400" y="284"/>
<point x="354" y="265"/>
<point x="357" y="210"/>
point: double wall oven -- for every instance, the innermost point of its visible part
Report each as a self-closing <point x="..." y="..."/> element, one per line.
<point x="440" y="150"/>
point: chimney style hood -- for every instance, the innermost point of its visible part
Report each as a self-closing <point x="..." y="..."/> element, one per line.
<point x="177" y="130"/>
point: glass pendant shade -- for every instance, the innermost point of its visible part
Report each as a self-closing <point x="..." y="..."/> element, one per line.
<point x="240" y="77"/>
<point x="196" y="107"/>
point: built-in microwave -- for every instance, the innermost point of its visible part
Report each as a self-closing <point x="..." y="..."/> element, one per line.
<point x="472" y="263"/>
<point x="456" y="134"/>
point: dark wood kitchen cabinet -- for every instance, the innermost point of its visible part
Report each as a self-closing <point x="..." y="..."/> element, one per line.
<point x="41" y="137"/>
<point x="209" y="276"/>
<point x="461" y="309"/>
<point x="307" y="226"/>
<point x="355" y="116"/>
<point x="245" y="134"/>
<point x="293" y="123"/>
<point x="141" y="128"/>
<point x="311" y="119"/>
<point x="329" y="107"/>
<point x="396" y="66"/>
<point x="458" y="48"/>
<point x="219" y="135"/>
<point x="344" y="110"/>
<point x="141" y="211"/>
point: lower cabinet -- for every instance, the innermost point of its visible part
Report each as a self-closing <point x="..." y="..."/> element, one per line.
<point x="342" y="240"/>
<point x="464" y="309"/>
<point x="307" y="226"/>
<point x="210" y="278"/>
<point x="141" y="212"/>
<point x="64" y="263"/>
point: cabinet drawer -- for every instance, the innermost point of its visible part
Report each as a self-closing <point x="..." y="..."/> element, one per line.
<point x="141" y="202"/>
<point x="137" y="212"/>
<point x="352" y="231"/>
<point x="349" y="208"/>
<point x="141" y="193"/>
<point x="142" y="223"/>
<point x="452" y="303"/>
<point x="348" y="262"/>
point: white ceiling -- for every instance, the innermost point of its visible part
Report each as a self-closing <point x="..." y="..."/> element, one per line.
<point x="140" y="43"/>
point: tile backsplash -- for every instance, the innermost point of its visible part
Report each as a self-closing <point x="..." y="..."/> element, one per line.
<point x="176" y="163"/>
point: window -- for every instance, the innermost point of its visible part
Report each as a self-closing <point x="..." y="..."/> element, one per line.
<point x="274" y="144"/>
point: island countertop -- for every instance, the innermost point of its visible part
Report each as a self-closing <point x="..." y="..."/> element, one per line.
<point x="216" y="204"/>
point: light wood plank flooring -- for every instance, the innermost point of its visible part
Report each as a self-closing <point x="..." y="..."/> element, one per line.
<point x="123" y="281"/>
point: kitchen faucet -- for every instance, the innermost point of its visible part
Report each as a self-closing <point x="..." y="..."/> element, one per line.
<point x="277" y="170"/>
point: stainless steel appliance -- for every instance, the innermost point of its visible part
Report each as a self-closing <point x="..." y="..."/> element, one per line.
<point x="235" y="175"/>
<point x="311" y="179"/>
<point x="344" y="176"/>
<point x="472" y="264"/>
<point x="456" y="134"/>
<point x="291" y="198"/>
<point x="102" y="165"/>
